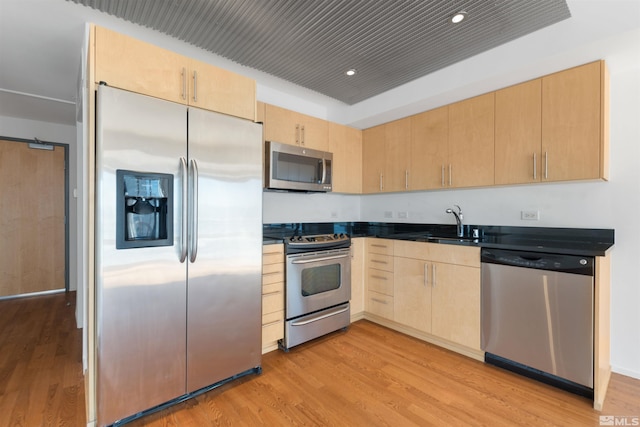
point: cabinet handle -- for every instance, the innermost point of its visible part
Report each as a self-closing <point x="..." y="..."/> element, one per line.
<point x="184" y="83"/>
<point x="546" y="165"/>
<point x="379" y="300"/>
<point x="406" y="180"/>
<point x="272" y="273"/>
<point x="376" y="245"/>
<point x="426" y="274"/>
<point x="450" y="173"/>
<point x="195" y="86"/>
<point x="378" y="261"/>
<point x="443" y="175"/>
<point x="381" y="182"/>
<point x="302" y="135"/>
<point x="433" y="276"/>
<point x="271" y="293"/>
<point x="264" y="325"/>
<point x="272" y="253"/>
<point x="297" y="134"/>
<point x="378" y="277"/>
<point x="535" y="167"/>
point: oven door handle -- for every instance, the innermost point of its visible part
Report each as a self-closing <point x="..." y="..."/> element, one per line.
<point x="327" y="258"/>
<point x="339" y="310"/>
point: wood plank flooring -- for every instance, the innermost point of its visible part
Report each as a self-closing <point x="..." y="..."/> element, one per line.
<point x="41" y="382"/>
<point x="367" y="376"/>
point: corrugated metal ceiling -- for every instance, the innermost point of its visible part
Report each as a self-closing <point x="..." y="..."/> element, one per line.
<point x="313" y="42"/>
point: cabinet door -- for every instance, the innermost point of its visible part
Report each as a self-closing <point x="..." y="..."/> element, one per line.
<point x="357" y="276"/>
<point x="518" y="133"/>
<point x="429" y="149"/>
<point x="215" y="89"/>
<point x="572" y="123"/>
<point x="314" y="132"/>
<point x="456" y="304"/>
<point x="397" y="151"/>
<point x="346" y="145"/>
<point x="373" y="159"/>
<point x="140" y="67"/>
<point x="471" y="142"/>
<point x="280" y="125"/>
<point x="412" y="293"/>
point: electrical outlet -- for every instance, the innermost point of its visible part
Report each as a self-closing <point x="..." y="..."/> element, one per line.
<point x="530" y="215"/>
<point x="403" y="215"/>
<point x="388" y="214"/>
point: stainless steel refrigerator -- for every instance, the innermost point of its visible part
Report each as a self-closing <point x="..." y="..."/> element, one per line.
<point x="178" y="251"/>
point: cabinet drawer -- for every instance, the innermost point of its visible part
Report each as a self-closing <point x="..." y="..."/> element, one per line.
<point x="270" y="318"/>
<point x="380" y="262"/>
<point x="380" y="281"/>
<point x="272" y="273"/>
<point x="273" y="330"/>
<point x="272" y="254"/>
<point x="270" y="288"/>
<point x="380" y="305"/>
<point x="380" y="246"/>
<point x="272" y="301"/>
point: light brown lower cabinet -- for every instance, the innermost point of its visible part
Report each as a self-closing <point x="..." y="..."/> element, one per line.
<point x="427" y="290"/>
<point x="379" y="288"/>
<point x="272" y="296"/>
<point x="439" y="298"/>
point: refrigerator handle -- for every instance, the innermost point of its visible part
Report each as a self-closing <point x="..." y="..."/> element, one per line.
<point x="193" y="227"/>
<point x="183" y="206"/>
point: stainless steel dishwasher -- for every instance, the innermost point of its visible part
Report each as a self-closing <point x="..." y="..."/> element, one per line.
<point x="537" y="316"/>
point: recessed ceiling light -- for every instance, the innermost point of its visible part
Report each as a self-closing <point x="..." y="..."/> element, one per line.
<point x="458" y="17"/>
<point x="351" y="72"/>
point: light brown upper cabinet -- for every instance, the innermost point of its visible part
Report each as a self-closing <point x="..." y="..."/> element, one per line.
<point x="216" y="89"/>
<point x="346" y="145"/>
<point x="386" y="156"/>
<point x="291" y="127"/>
<point x="518" y="133"/>
<point x="397" y="153"/>
<point x="575" y="123"/>
<point x="471" y="142"/>
<point x="373" y="159"/>
<point x="130" y="64"/>
<point x="429" y="149"/>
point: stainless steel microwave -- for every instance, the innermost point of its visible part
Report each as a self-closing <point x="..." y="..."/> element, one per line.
<point x="294" y="168"/>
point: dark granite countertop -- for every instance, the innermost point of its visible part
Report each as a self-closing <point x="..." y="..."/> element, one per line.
<point x="571" y="241"/>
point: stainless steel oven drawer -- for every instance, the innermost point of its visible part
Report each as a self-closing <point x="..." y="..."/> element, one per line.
<point x="316" y="324"/>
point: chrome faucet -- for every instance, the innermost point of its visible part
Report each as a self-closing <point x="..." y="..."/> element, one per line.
<point x="459" y="218"/>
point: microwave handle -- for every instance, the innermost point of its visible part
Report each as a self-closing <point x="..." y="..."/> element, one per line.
<point x="324" y="170"/>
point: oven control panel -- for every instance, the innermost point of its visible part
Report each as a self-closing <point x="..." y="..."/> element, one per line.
<point x="318" y="241"/>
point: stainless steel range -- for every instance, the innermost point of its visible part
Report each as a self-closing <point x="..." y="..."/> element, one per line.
<point x="318" y="287"/>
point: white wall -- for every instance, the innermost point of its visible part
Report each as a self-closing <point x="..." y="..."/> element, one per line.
<point x="281" y="207"/>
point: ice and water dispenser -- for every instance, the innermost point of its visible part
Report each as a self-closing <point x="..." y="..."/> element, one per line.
<point x="144" y="209"/>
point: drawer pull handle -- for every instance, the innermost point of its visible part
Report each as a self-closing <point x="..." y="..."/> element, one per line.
<point x="273" y="273"/>
<point x="264" y="325"/>
<point x="378" y="246"/>
<point x="379" y="262"/>
<point x="271" y="293"/>
<point x="381" y="301"/>
<point x="378" y="277"/>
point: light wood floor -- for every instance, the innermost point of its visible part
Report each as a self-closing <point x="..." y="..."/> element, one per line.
<point x="368" y="376"/>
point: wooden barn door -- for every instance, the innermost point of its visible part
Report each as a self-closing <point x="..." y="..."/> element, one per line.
<point x="32" y="211"/>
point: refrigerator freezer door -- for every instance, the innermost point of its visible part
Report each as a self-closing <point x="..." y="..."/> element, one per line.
<point x="140" y="295"/>
<point x="224" y="285"/>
